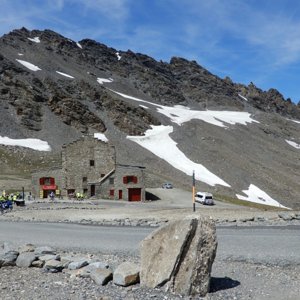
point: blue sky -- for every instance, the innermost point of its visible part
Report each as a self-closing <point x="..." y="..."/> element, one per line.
<point x="247" y="40"/>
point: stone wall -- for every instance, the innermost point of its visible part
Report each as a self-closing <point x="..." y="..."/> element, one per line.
<point x="121" y="189"/>
<point x="86" y="160"/>
<point x="56" y="173"/>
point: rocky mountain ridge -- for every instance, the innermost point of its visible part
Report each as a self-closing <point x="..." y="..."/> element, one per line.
<point x="67" y="97"/>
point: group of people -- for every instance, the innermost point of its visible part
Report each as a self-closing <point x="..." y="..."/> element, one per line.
<point x="79" y="196"/>
<point x="12" y="197"/>
<point x="7" y="200"/>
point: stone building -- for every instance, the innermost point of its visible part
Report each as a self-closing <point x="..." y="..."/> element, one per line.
<point x="86" y="160"/>
<point x="124" y="182"/>
<point x="46" y="181"/>
<point x="89" y="167"/>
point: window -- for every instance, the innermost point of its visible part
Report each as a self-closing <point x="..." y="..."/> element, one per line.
<point x="47" y="181"/>
<point x="111" y="180"/>
<point x="92" y="163"/>
<point x="102" y="175"/>
<point x="111" y="193"/>
<point x="130" y="179"/>
<point x="84" y="179"/>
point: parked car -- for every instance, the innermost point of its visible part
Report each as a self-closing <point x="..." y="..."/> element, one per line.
<point x="167" y="185"/>
<point x="204" y="198"/>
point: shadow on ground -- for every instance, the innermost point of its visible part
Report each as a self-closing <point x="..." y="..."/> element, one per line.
<point x="222" y="283"/>
<point x="151" y="197"/>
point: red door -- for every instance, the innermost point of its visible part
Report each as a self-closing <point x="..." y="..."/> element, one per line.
<point x="134" y="194"/>
<point x="120" y="194"/>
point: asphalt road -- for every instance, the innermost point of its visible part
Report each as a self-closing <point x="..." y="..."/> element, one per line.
<point x="268" y="245"/>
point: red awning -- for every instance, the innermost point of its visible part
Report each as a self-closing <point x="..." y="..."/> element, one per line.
<point x="49" y="187"/>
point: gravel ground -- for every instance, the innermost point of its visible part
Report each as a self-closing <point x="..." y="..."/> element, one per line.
<point x="230" y="279"/>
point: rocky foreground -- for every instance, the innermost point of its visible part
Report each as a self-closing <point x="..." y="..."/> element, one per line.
<point x="231" y="279"/>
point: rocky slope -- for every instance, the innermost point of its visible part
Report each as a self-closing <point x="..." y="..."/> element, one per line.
<point x="67" y="97"/>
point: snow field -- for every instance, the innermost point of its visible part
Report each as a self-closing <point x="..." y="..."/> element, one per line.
<point x="256" y="195"/>
<point x="34" y="144"/>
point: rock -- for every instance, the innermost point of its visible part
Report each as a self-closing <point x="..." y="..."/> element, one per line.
<point x="38" y="264"/>
<point x="179" y="256"/>
<point x="25" y="259"/>
<point x="126" y="274"/>
<point x="297" y="216"/>
<point x="286" y="216"/>
<point x="53" y="265"/>
<point x="243" y="220"/>
<point x="26" y="248"/>
<point x="101" y="276"/>
<point x="99" y="265"/>
<point x="77" y="264"/>
<point x="86" y="270"/>
<point x="7" y="247"/>
<point x="49" y="257"/>
<point x="44" y="250"/>
<point x="9" y="258"/>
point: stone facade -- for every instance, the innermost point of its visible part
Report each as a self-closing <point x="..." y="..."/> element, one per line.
<point x="86" y="160"/>
<point x="125" y="182"/>
<point x="45" y="181"/>
<point x="89" y="167"/>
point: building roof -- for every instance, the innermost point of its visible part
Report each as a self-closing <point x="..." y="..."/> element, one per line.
<point x="103" y="178"/>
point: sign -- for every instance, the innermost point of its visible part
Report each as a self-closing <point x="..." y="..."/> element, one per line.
<point x="49" y="187"/>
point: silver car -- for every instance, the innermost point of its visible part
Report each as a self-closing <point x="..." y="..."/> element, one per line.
<point x="167" y="185"/>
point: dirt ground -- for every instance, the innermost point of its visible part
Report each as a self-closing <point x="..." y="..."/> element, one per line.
<point x="172" y="204"/>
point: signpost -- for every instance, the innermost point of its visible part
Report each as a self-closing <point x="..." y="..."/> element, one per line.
<point x="193" y="192"/>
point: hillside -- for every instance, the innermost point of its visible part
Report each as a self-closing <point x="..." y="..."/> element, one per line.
<point x="236" y="137"/>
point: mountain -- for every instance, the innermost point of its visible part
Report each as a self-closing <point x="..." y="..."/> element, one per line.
<point x="237" y="137"/>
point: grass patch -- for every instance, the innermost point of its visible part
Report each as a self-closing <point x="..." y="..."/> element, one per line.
<point x="236" y="201"/>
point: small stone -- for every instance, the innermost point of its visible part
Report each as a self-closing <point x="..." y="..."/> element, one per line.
<point x="26" y="248"/>
<point x="25" y="259"/>
<point x="37" y="264"/>
<point x="101" y="276"/>
<point x="53" y="265"/>
<point x="126" y="274"/>
<point x="77" y="264"/>
<point x="44" y="250"/>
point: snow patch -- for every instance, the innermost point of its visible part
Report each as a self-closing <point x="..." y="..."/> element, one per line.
<point x="28" y="65"/>
<point x="101" y="137"/>
<point x="256" y="195"/>
<point x="241" y="96"/>
<point x="180" y="114"/>
<point x="298" y="122"/>
<point x="158" y="141"/>
<point x="118" y="55"/>
<point x="143" y="106"/>
<point x="34" y="144"/>
<point x="36" y="39"/>
<point x="20" y="54"/>
<point x="295" y="145"/>
<point x="79" y="45"/>
<point x="104" y="80"/>
<point x="64" y="74"/>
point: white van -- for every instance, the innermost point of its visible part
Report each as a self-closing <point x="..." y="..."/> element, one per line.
<point x="204" y="198"/>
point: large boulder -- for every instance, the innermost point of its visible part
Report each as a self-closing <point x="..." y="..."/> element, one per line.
<point x="179" y="256"/>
